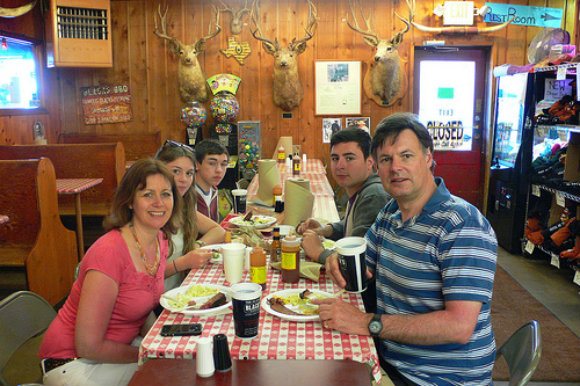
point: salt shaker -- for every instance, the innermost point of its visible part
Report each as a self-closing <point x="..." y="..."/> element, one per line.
<point x="204" y="359"/>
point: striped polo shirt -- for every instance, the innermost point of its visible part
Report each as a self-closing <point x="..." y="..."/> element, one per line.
<point x="448" y="252"/>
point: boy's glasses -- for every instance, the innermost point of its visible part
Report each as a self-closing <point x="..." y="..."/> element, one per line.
<point x="172" y="143"/>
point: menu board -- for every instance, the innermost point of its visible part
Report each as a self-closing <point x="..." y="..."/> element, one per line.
<point x="106" y="104"/>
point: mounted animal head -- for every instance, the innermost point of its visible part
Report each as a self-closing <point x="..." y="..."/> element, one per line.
<point x="237" y="16"/>
<point x="192" y="85"/>
<point x="10" y="13"/>
<point x="287" y="88"/>
<point x="383" y="81"/>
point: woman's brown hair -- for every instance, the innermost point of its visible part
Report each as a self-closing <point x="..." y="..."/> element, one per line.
<point x="135" y="179"/>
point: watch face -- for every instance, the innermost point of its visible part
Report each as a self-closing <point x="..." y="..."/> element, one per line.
<point x="375" y="327"/>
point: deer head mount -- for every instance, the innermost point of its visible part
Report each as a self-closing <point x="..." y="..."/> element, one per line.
<point x="10" y="13"/>
<point x="385" y="81"/>
<point x="237" y="16"/>
<point x="190" y="76"/>
<point x="287" y="88"/>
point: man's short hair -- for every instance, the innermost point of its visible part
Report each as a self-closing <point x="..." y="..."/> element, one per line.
<point x="207" y="147"/>
<point x="391" y="126"/>
<point x="353" y="134"/>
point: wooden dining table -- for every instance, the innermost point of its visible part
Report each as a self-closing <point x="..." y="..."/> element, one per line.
<point x="75" y="186"/>
<point x="277" y="339"/>
<point x="182" y="372"/>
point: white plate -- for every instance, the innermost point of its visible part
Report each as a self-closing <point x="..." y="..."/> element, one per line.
<point x="180" y="290"/>
<point x="263" y="221"/>
<point x="295" y="318"/>
<point x="218" y="257"/>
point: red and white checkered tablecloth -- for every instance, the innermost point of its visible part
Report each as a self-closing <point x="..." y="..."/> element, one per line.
<point x="75" y="185"/>
<point x="276" y="339"/>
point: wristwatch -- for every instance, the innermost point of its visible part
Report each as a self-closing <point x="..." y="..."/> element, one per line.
<point x="375" y="326"/>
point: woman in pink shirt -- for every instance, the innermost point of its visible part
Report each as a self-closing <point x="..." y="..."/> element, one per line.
<point x="119" y="284"/>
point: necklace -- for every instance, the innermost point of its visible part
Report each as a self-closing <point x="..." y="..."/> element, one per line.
<point x="151" y="268"/>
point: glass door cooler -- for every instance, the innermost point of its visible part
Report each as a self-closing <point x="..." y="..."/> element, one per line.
<point x="512" y="153"/>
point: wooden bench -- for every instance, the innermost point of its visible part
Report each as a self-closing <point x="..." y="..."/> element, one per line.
<point x="35" y="240"/>
<point x="102" y="160"/>
<point x="137" y="146"/>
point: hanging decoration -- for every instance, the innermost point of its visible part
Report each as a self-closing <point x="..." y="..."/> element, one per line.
<point x="239" y="50"/>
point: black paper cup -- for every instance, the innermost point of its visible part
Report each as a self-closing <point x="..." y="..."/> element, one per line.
<point x="246" y="304"/>
<point x="240" y="196"/>
<point x="351" y="259"/>
<point x="221" y="353"/>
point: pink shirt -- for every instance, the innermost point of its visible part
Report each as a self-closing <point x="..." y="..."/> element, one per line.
<point x="138" y="294"/>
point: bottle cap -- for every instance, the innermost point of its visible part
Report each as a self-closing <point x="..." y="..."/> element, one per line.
<point x="291" y="241"/>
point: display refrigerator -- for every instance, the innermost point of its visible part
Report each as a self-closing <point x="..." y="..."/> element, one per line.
<point x="511" y="158"/>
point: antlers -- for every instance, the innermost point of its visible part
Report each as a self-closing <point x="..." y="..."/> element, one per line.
<point x="236" y="23"/>
<point x="369" y="35"/>
<point x="310" y="26"/>
<point x="295" y="45"/>
<point x="199" y="44"/>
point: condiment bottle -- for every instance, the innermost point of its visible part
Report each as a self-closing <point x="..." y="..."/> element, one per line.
<point x="275" y="248"/>
<point x="258" y="271"/>
<point x="290" y="259"/>
<point x="278" y="203"/>
<point x="228" y="237"/>
<point x="281" y="154"/>
<point x="296" y="165"/>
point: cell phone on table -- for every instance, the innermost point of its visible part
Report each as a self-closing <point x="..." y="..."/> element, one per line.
<point x="181" y="329"/>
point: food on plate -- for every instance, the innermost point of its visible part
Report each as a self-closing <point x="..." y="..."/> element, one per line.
<point x="298" y="303"/>
<point x="187" y="299"/>
<point x="217" y="300"/>
<point x="216" y="253"/>
<point x="277" y="304"/>
<point x="253" y="221"/>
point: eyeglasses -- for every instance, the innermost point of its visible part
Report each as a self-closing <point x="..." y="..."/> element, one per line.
<point x="172" y="143"/>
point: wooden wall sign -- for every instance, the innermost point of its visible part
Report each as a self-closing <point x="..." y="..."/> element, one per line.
<point x="106" y="104"/>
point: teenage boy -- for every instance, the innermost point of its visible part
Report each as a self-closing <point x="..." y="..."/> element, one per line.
<point x="211" y="165"/>
<point x="351" y="165"/>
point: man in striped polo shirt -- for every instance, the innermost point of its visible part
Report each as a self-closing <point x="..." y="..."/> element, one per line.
<point x="434" y="257"/>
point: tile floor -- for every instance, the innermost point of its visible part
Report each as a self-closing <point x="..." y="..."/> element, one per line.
<point x="552" y="287"/>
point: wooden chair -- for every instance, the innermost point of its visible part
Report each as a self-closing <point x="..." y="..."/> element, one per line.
<point x="35" y="240"/>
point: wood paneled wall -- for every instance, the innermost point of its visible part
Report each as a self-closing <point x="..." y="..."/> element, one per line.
<point x="142" y="61"/>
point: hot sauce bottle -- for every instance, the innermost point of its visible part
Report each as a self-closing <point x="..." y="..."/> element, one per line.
<point x="290" y="259"/>
<point x="276" y="247"/>
<point x="281" y="155"/>
<point x="296" y="165"/>
<point x="258" y="270"/>
<point x="278" y="203"/>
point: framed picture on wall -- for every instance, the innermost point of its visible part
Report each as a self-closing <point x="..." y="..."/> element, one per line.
<point x="360" y="122"/>
<point x="337" y="87"/>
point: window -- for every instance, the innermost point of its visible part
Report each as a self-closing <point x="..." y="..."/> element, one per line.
<point x="19" y="75"/>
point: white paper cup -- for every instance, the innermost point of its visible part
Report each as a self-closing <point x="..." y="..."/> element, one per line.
<point x="240" y="196"/>
<point x="234" y="260"/>
<point x="246" y="305"/>
<point x="351" y="259"/>
<point x="204" y="358"/>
